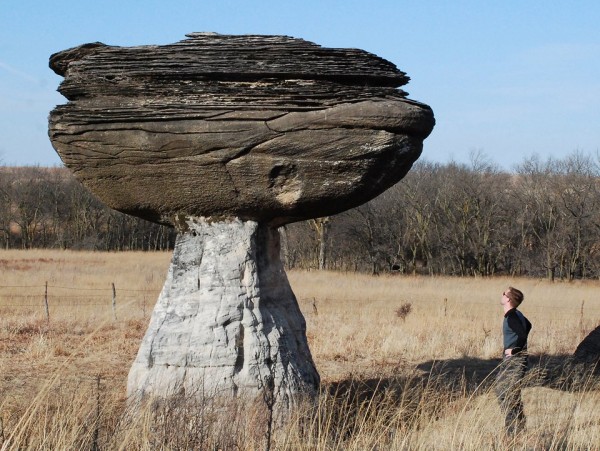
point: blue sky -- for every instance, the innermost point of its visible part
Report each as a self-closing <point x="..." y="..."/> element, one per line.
<point x="510" y="79"/>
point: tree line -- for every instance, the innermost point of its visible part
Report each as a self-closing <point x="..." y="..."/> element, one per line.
<point x="540" y="220"/>
<point x="48" y="208"/>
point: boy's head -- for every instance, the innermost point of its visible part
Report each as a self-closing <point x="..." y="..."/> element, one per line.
<point x="515" y="296"/>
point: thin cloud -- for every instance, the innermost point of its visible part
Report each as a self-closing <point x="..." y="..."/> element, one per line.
<point x="18" y="73"/>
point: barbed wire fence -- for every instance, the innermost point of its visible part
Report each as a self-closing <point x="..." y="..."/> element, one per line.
<point x="49" y="297"/>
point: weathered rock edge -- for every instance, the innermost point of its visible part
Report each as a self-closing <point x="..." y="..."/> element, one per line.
<point x="266" y="128"/>
<point x="226" y="322"/>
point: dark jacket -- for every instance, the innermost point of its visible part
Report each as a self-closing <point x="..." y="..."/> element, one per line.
<point x="515" y="329"/>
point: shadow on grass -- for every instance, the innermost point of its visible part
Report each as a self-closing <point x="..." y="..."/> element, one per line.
<point x="560" y="372"/>
<point x="568" y="372"/>
<point x="452" y="378"/>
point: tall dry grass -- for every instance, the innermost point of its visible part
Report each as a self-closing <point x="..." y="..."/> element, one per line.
<point x="418" y="382"/>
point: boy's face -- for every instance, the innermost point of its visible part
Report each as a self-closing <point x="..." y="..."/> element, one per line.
<point x="505" y="299"/>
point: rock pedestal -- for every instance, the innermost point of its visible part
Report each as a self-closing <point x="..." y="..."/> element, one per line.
<point x="226" y="321"/>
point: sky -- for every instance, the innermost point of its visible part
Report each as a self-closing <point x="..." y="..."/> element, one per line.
<point x="508" y="79"/>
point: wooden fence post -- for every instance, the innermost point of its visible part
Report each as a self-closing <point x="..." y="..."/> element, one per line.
<point x="114" y="301"/>
<point x="46" y="304"/>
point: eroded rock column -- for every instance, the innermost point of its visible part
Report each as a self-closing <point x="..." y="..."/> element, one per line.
<point x="226" y="320"/>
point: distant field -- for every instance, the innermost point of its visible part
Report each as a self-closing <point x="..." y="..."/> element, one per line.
<point x="63" y="374"/>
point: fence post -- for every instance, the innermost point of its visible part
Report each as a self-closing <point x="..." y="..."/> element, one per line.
<point x="46" y="304"/>
<point x="114" y="301"/>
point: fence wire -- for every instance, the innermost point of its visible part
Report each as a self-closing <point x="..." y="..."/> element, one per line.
<point x="47" y="294"/>
<point x="51" y="297"/>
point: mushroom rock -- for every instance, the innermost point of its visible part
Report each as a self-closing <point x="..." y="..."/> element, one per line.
<point x="227" y="138"/>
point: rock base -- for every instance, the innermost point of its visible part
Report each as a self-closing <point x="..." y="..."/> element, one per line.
<point x="226" y="322"/>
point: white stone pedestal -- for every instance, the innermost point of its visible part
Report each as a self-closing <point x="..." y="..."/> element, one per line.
<point x="226" y="322"/>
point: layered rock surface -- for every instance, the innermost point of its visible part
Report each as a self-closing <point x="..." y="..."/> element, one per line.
<point x="265" y="128"/>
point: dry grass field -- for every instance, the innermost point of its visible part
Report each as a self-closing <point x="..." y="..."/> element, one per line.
<point x="392" y="379"/>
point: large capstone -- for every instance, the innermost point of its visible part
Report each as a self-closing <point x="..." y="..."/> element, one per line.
<point x="266" y="128"/>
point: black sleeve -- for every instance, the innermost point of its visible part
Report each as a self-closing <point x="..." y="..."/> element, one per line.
<point x="517" y="326"/>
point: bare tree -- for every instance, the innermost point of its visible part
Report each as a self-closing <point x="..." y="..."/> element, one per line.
<point x="5" y="206"/>
<point x="321" y="227"/>
<point x="577" y="189"/>
<point x="543" y="215"/>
